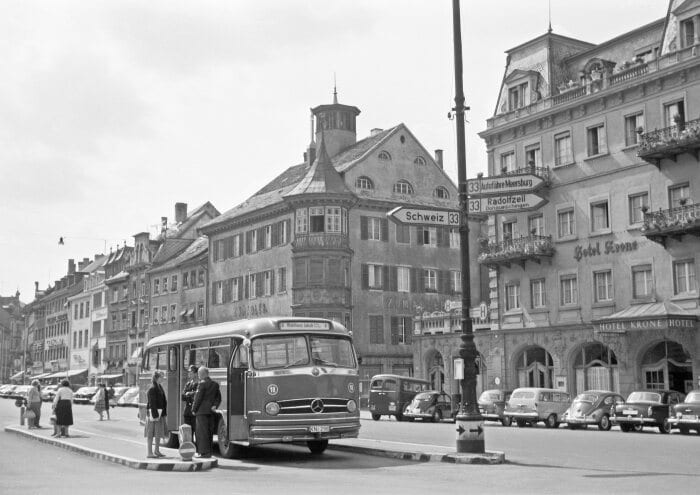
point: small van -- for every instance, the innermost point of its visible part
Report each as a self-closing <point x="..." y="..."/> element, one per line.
<point x="529" y="405"/>
<point x="390" y="394"/>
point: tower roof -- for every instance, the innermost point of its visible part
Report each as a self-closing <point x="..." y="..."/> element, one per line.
<point x="322" y="177"/>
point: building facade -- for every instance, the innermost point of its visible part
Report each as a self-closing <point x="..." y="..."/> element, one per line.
<point x="12" y="339"/>
<point x="117" y="324"/>
<point x="316" y="241"/>
<point x="598" y="288"/>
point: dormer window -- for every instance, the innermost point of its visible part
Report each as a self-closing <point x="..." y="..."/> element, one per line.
<point x="384" y="156"/>
<point x="517" y="96"/>
<point x="687" y="33"/>
<point x="403" y="187"/>
<point x="364" y="183"/>
<point x="441" y="192"/>
<point x="419" y="161"/>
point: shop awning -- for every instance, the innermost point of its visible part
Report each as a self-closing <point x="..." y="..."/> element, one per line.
<point x="66" y="374"/>
<point x="183" y="312"/>
<point x="110" y="377"/>
<point x="17" y="376"/>
<point x="190" y="313"/>
<point x="39" y="377"/>
<point x="649" y="316"/>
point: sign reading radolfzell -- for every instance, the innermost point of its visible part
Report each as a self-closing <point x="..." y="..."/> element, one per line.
<point x="665" y="323"/>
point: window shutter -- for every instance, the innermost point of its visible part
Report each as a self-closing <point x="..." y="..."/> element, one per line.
<point x="247" y="242"/>
<point x="364" y="234"/>
<point x="443" y="281"/>
<point x="215" y="253"/>
<point x="408" y="333"/>
<point x="386" y="285"/>
<point x="272" y="281"/>
<point x="384" y="229"/>
<point x="259" y="284"/>
<point x="246" y="292"/>
<point x="213" y="292"/>
<point x="419" y="235"/>
<point x="413" y="282"/>
<point x="602" y="140"/>
<point x="289" y="231"/>
<point x="365" y="276"/>
<point x="393" y="278"/>
<point x="276" y="229"/>
<point x="261" y="239"/>
<point x="420" y="280"/>
<point x="394" y="330"/>
<point x="442" y="237"/>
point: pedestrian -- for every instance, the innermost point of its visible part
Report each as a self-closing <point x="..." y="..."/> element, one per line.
<point x="206" y="401"/>
<point x="188" y="396"/>
<point x="156" y="411"/>
<point x="63" y="408"/>
<point x="110" y="396"/>
<point x="99" y="397"/>
<point x="34" y="403"/>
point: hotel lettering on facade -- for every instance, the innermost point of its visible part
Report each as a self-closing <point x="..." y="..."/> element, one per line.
<point x="598" y="289"/>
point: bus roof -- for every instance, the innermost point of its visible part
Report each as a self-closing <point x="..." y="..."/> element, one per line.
<point x="247" y="328"/>
<point x="398" y="377"/>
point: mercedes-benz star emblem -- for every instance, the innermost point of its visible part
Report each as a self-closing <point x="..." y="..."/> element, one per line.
<point x="317" y="405"/>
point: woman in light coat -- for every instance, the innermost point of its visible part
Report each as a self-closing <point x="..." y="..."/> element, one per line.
<point x="100" y="400"/>
<point x="63" y="408"/>
<point x="34" y="403"/>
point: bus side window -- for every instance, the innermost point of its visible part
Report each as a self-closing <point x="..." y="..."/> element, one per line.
<point x="172" y="358"/>
<point x="389" y="385"/>
<point x="219" y="354"/>
<point x="199" y="355"/>
<point x="240" y="359"/>
<point x="162" y="358"/>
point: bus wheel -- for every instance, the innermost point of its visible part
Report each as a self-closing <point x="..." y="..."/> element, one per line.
<point x="376" y="417"/>
<point x="173" y="441"/>
<point x="317" y="446"/>
<point x="227" y="449"/>
<point x="506" y="421"/>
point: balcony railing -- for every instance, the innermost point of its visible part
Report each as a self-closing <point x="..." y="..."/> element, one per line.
<point x="670" y="142"/>
<point x="519" y="250"/>
<point x="320" y="241"/>
<point x="674" y="223"/>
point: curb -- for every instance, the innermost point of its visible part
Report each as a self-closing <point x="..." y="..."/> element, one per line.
<point x="155" y="465"/>
<point x="486" y="458"/>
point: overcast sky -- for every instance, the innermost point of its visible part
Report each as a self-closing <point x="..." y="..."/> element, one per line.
<point x="111" y="112"/>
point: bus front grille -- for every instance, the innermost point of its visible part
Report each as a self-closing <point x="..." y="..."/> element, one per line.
<point x="316" y="405"/>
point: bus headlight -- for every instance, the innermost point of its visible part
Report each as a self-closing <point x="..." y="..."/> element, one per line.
<point x="272" y="408"/>
<point x="352" y="406"/>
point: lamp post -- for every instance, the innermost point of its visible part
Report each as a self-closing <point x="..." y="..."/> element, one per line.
<point x="470" y="432"/>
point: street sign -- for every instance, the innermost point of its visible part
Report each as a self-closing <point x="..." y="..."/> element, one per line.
<point x="485" y="186"/>
<point x="405" y="214"/>
<point x="510" y="203"/>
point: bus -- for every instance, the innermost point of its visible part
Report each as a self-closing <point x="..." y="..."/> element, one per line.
<point x="390" y="394"/>
<point x="282" y="379"/>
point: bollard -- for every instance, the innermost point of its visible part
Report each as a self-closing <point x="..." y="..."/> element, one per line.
<point x="187" y="448"/>
<point x="22" y="410"/>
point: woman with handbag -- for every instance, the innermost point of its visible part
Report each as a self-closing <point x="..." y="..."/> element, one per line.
<point x="34" y="404"/>
<point x="63" y="408"/>
<point x="100" y="400"/>
<point x="156" y="411"/>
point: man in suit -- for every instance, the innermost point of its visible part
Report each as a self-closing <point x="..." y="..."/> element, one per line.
<point x="188" y="396"/>
<point x="206" y="401"/>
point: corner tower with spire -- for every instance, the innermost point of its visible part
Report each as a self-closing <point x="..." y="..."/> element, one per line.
<point x="337" y="123"/>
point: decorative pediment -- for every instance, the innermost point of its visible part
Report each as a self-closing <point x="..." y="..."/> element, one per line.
<point x="519" y="75"/>
<point x="689" y="7"/>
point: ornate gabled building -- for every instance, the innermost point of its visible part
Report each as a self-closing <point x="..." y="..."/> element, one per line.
<point x="316" y="241"/>
<point x="12" y="339"/>
<point x="598" y="288"/>
<point x="117" y="324"/>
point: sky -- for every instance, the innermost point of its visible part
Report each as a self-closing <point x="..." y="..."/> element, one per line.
<point x="113" y="111"/>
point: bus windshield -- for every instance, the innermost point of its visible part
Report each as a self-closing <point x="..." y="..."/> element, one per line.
<point x="293" y="350"/>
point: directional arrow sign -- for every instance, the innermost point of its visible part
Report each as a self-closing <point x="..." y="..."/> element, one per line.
<point x="510" y="203"/>
<point x="503" y="184"/>
<point x="405" y="214"/>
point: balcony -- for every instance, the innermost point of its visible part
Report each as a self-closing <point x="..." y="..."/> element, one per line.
<point x="320" y="240"/>
<point x="670" y="142"/>
<point x="530" y="248"/>
<point x="674" y="223"/>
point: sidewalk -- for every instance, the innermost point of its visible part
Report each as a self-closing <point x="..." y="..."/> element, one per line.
<point x="130" y="453"/>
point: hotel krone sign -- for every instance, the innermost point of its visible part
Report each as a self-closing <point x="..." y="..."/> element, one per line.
<point x="664" y="323"/>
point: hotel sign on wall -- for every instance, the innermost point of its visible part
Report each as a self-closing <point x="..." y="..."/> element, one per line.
<point x="609" y="247"/>
<point x="622" y="326"/>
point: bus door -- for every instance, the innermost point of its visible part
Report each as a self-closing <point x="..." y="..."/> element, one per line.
<point x="172" y="386"/>
<point x="237" y="408"/>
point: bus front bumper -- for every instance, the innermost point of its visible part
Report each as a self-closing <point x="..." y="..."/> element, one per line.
<point x="300" y="431"/>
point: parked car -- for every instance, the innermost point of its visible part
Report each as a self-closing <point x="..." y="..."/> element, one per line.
<point x="646" y="408"/>
<point x="118" y="392"/>
<point x="6" y="390"/>
<point x="686" y="416"/>
<point x="48" y="393"/>
<point x="389" y="394"/>
<point x="492" y="403"/>
<point x="130" y="398"/>
<point x="528" y="405"/>
<point x="84" y="394"/>
<point x="20" y="392"/>
<point x="592" y="407"/>
<point x="430" y="405"/>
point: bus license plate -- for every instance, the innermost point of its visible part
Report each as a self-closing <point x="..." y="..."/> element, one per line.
<point x="319" y="429"/>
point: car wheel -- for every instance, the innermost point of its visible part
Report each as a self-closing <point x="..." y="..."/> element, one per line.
<point x="437" y="416"/>
<point x="684" y="430"/>
<point x="173" y="441"/>
<point x="521" y="423"/>
<point x="625" y="427"/>
<point x="399" y="417"/>
<point x="376" y="417"/>
<point x="604" y="423"/>
<point x="317" y="446"/>
<point x="665" y="427"/>
<point x="551" y="421"/>
<point x="506" y="421"/>
<point x="638" y="428"/>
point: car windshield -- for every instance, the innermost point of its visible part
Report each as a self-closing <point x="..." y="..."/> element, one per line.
<point x="292" y="350"/>
<point x="425" y="396"/>
<point x="523" y="394"/>
<point x="490" y="395"/>
<point x="693" y="397"/>
<point x="586" y="398"/>
<point x="86" y="390"/>
<point x="644" y="397"/>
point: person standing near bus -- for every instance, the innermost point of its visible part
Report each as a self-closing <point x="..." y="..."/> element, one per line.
<point x="206" y="401"/>
<point x="188" y="396"/>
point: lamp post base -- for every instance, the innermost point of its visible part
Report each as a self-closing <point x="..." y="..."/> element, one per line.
<point x="470" y="434"/>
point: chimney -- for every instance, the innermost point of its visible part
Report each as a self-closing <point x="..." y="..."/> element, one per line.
<point x="36" y="288"/>
<point x="163" y="224"/>
<point x="438" y="158"/>
<point x="310" y="155"/>
<point x="83" y="264"/>
<point x="180" y="212"/>
<point x="71" y="267"/>
<point x="375" y="131"/>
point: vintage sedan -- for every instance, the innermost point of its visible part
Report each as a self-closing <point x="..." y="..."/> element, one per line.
<point x="646" y="408"/>
<point x="84" y="394"/>
<point x="592" y="407"/>
<point x="430" y="405"/>
<point x="686" y="416"/>
<point x="492" y="403"/>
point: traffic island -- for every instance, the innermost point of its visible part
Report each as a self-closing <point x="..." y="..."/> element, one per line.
<point x="122" y="451"/>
